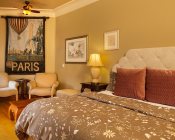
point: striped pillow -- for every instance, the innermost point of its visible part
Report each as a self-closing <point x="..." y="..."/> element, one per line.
<point x="160" y="86"/>
<point x="111" y="85"/>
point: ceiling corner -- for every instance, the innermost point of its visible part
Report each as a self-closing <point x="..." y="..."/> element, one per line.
<point x="72" y="6"/>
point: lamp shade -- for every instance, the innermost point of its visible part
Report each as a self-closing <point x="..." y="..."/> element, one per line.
<point x="95" y="60"/>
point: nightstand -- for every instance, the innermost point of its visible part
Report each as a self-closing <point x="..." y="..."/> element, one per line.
<point x="93" y="86"/>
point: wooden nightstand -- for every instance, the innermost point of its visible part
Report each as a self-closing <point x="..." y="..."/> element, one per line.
<point x="93" y="86"/>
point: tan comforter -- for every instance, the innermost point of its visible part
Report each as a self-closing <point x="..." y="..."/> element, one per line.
<point x="92" y="116"/>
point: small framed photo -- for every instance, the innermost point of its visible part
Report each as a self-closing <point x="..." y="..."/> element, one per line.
<point x="76" y="49"/>
<point x="111" y="40"/>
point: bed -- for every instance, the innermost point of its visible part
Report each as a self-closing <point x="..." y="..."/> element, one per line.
<point x="103" y="115"/>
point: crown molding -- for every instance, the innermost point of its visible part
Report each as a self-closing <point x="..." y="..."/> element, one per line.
<point x="59" y="11"/>
<point x="18" y="12"/>
<point x="72" y="6"/>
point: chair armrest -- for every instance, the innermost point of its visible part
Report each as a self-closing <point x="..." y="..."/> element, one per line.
<point x="31" y="84"/>
<point x="54" y="87"/>
<point x="13" y="84"/>
<point x="55" y="84"/>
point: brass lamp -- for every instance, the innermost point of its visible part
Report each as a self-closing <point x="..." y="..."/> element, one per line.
<point x="95" y="63"/>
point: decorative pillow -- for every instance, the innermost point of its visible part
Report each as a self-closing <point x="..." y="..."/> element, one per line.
<point x="111" y="85"/>
<point x="130" y="83"/>
<point x="160" y="86"/>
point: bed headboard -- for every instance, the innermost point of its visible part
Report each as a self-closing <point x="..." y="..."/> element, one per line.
<point x="161" y="58"/>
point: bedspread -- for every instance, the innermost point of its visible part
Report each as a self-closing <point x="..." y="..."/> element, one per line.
<point x="97" y="117"/>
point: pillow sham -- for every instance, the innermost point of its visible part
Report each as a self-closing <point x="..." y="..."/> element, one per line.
<point x="130" y="83"/>
<point x="160" y="86"/>
<point x="112" y="81"/>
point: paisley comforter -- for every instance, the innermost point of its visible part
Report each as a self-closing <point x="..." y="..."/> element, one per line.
<point x="92" y="116"/>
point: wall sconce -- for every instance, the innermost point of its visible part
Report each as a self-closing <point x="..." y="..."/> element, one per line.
<point x="95" y="63"/>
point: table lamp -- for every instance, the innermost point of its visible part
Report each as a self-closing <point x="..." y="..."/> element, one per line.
<point x="95" y="63"/>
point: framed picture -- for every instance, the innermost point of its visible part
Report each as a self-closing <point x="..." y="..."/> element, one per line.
<point x="76" y="49"/>
<point x="25" y="46"/>
<point x="111" y="40"/>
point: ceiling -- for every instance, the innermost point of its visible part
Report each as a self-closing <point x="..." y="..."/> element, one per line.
<point x="37" y="4"/>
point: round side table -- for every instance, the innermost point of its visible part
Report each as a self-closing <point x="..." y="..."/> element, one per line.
<point x="22" y="88"/>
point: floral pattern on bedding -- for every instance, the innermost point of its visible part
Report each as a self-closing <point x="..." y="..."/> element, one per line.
<point x="95" y="116"/>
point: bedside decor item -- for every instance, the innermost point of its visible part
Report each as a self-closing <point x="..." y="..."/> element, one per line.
<point x="76" y="49"/>
<point x="111" y="40"/>
<point x="95" y="63"/>
<point x="25" y="48"/>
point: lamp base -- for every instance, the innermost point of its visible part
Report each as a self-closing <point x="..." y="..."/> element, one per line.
<point x="95" y="72"/>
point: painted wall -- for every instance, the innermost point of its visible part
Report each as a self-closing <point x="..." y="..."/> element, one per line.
<point x="49" y="47"/>
<point x="142" y="23"/>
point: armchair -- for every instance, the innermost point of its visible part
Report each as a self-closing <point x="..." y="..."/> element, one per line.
<point x="44" y="84"/>
<point x="7" y="88"/>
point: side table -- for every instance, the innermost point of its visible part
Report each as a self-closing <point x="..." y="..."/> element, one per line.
<point x="16" y="108"/>
<point x="93" y="86"/>
<point x="22" y="88"/>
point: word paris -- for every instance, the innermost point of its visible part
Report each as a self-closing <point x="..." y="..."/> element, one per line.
<point x="25" y="66"/>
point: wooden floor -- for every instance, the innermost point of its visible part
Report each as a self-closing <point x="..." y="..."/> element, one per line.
<point x="7" y="127"/>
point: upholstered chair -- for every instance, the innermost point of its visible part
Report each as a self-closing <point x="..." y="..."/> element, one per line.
<point x="44" y="84"/>
<point x="8" y="88"/>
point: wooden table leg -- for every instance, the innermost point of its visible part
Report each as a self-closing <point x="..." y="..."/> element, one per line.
<point x="10" y="113"/>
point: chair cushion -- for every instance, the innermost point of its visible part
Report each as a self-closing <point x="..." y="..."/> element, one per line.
<point x="45" y="80"/>
<point x="5" y="92"/>
<point x="3" y="79"/>
<point x="41" y="91"/>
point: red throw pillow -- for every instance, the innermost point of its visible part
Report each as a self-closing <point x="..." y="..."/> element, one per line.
<point x="130" y="83"/>
<point x="160" y="86"/>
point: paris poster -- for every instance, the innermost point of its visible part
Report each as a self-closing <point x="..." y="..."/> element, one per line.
<point x="25" y="47"/>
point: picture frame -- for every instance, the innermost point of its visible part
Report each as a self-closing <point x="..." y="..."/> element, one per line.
<point x="111" y="40"/>
<point x="25" y="45"/>
<point x="76" y="49"/>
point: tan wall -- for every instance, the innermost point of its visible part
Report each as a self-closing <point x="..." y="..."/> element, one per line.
<point x="49" y="47"/>
<point x="142" y="23"/>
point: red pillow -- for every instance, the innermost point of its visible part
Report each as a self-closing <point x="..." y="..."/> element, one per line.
<point x="160" y="86"/>
<point x="130" y="83"/>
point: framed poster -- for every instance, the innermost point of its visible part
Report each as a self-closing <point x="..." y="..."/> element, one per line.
<point x="25" y="46"/>
<point x="111" y="40"/>
<point x="76" y="49"/>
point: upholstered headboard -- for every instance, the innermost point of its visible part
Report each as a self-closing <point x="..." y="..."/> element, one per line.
<point x="161" y="58"/>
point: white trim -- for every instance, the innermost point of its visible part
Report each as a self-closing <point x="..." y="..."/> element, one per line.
<point x="60" y="10"/>
<point x="72" y="6"/>
<point x="18" y="12"/>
